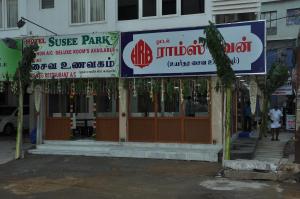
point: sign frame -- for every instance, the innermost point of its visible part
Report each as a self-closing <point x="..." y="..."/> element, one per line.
<point x="82" y="58"/>
<point x="257" y="27"/>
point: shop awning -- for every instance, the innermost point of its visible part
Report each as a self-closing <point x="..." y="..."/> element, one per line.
<point x="286" y="89"/>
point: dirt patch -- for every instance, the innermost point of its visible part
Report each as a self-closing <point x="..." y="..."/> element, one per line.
<point x="229" y="185"/>
<point x="40" y="185"/>
<point x="184" y="169"/>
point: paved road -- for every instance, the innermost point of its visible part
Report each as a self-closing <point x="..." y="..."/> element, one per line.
<point x="91" y="177"/>
<point x="8" y="146"/>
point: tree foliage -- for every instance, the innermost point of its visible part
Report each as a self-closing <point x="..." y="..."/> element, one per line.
<point x="216" y="45"/>
<point x="276" y="77"/>
<point x="22" y="78"/>
<point x="23" y="72"/>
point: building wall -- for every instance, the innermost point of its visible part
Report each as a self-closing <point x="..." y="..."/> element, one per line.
<point x="235" y="6"/>
<point x="16" y="32"/>
<point x="57" y="19"/>
<point x="284" y="31"/>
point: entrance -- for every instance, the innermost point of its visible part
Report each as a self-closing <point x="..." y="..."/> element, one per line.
<point x="169" y="110"/>
<point x="84" y="109"/>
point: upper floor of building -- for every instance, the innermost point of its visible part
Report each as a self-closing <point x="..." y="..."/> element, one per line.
<point x="283" y="18"/>
<point x="86" y="16"/>
<point x="82" y="16"/>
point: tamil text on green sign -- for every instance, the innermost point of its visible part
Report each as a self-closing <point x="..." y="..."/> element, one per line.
<point x="76" y="56"/>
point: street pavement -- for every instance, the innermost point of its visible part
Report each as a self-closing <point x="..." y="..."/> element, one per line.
<point x="8" y="147"/>
<point x="7" y="150"/>
<point x="77" y="177"/>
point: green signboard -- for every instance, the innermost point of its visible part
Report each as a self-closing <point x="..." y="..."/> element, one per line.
<point x="10" y="56"/>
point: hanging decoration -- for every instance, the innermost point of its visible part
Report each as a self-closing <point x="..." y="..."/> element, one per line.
<point x="181" y="91"/>
<point x="194" y="90"/>
<point x="170" y="89"/>
<point x="14" y="87"/>
<point x="1" y="86"/>
<point x="94" y="112"/>
<point x="253" y="94"/>
<point x="108" y="89"/>
<point x="88" y="89"/>
<point x="59" y="87"/>
<point x="208" y="91"/>
<point x="162" y="98"/>
<point x="202" y="86"/>
<point x="72" y="93"/>
<point x="185" y="87"/>
<point x="151" y="90"/>
<point x="156" y="83"/>
<point x="260" y="99"/>
<point x="47" y="87"/>
<point x="37" y="97"/>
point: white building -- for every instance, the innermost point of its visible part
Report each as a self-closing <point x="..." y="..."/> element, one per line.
<point x="283" y="20"/>
<point x="87" y="16"/>
<point x="66" y="17"/>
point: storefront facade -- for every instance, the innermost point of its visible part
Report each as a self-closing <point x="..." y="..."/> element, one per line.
<point x="176" y="63"/>
<point x="79" y="79"/>
<point x="153" y="86"/>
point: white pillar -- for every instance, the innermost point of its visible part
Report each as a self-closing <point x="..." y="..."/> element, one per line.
<point x="32" y="121"/>
<point x="123" y="110"/>
<point x="41" y="121"/>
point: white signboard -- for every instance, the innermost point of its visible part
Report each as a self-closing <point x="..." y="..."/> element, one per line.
<point x="290" y="122"/>
<point x="76" y="56"/>
<point x="181" y="51"/>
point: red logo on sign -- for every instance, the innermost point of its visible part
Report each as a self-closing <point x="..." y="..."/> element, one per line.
<point x="141" y="55"/>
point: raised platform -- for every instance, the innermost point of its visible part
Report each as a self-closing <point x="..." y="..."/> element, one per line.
<point x="197" y="152"/>
<point x="243" y="148"/>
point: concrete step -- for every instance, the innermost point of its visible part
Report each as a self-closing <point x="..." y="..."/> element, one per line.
<point x="268" y="153"/>
<point x="129" y="150"/>
<point x="132" y="144"/>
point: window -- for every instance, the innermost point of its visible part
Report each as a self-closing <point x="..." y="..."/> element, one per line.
<point x="135" y="9"/>
<point x="293" y="17"/>
<point x="47" y="4"/>
<point x="128" y="9"/>
<point x="141" y="101"/>
<point x="11" y="13"/>
<point x="149" y="8"/>
<point x="231" y="18"/>
<point x="58" y="105"/>
<point x="169" y="7"/>
<point x="161" y="98"/>
<point x="81" y="104"/>
<point x="271" y="23"/>
<point x="107" y="98"/>
<point x="97" y="10"/>
<point x="192" y="7"/>
<point x="85" y="11"/>
<point x="78" y="11"/>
